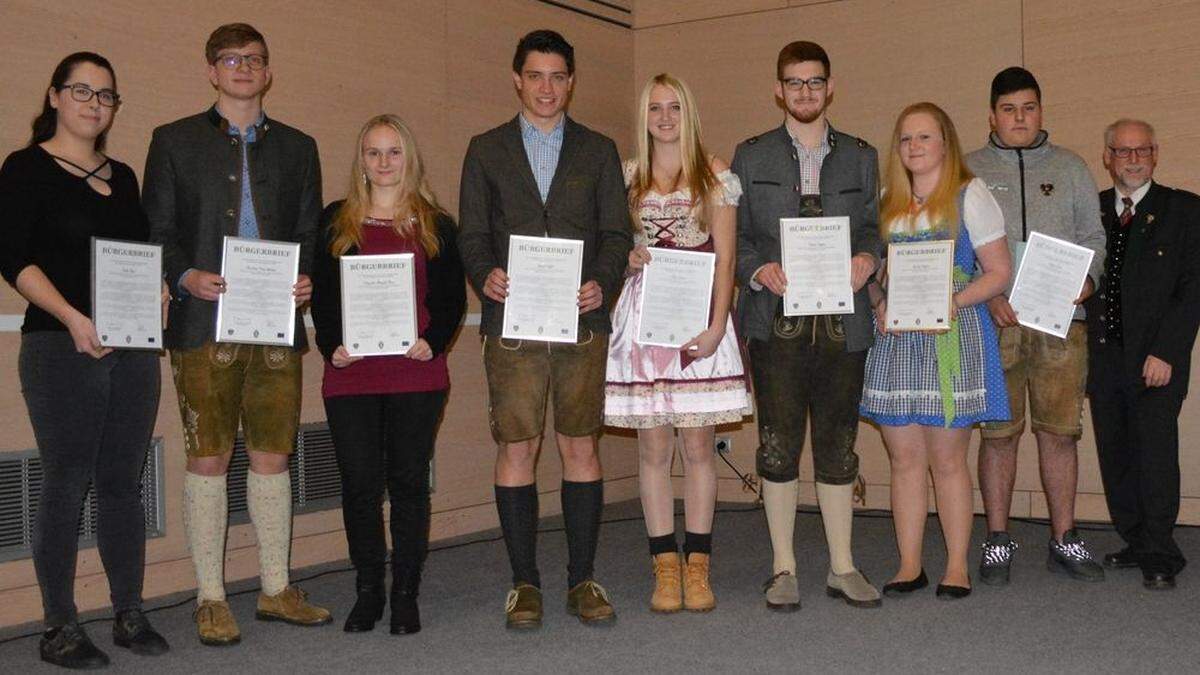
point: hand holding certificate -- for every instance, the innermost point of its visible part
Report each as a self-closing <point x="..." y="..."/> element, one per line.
<point x="127" y="298"/>
<point x="816" y="262"/>
<point x="544" y="276"/>
<point x="920" y="285"/>
<point x="379" y="308"/>
<point x="675" y="299"/>
<point x="258" y="306"/>
<point x="1050" y="278"/>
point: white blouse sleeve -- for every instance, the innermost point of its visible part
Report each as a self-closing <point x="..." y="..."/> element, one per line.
<point x="731" y="189"/>
<point x="984" y="219"/>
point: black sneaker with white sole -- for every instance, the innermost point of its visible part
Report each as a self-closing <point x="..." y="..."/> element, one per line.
<point x="1072" y="557"/>
<point x="998" y="551"/>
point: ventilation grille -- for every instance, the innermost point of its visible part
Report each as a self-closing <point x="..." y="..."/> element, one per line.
<point x="21" y="490"/>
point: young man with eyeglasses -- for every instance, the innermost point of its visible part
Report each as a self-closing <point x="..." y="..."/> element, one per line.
<point x="543" y="174"/>
<point x="1040" y="187"/>
<point x="1141" y="327"/>
<point x="233" y="171"/>
<point x="806" y="367"/>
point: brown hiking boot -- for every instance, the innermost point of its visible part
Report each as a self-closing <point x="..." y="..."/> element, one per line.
<point x="523" y="607"/>
<point x="589" y="602"/>
<point x="291" y="605"/>
<point x="668" y="595"/>
<point x="215" y="624"/>
<point x="697" y="592"/>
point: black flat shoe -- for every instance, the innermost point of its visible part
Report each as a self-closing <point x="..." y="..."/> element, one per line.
<point x="948" y="592"/>
<point x="368" y="608"/>
<point x="70" y="647"/>
<point x="897" y="588"/>
<point x="132" y="630"/>
<point x="1158" y="580"/>
<point x="1123" y="559"/>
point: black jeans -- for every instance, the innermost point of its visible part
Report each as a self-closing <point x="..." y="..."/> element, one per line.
<point x="803" y="371"/>
<point x="385" y="441"/>
<point x="92" y="420"/>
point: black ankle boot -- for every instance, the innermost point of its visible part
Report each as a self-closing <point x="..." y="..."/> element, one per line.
<point x="368" y="607"/>
<point x="406" y="617"/>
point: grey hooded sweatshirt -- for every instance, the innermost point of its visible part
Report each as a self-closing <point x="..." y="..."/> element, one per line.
<point x="1043" y="188"/>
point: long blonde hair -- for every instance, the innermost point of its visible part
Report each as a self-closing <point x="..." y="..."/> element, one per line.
<point x="941" y="206"/>
<point x="697" y="175"/>
<point x="416" y="199"/>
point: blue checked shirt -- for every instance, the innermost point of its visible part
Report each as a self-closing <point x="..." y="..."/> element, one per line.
<point x="543" y="151"/>
<point x="247" y="221"/>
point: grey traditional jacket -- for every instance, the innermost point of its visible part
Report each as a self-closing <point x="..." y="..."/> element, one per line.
<point x="770" y="177"/>
<point x="192" y="192"/>
<point x="499" y="197"/>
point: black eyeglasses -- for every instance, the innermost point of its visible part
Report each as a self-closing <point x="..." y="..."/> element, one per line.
<point x="797" y="83"/>
<point x="232" y="61"/>
<point x="1124" y="153"/>
<point x="83" y="93"/>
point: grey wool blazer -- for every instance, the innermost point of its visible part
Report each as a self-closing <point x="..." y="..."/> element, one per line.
<point x="770" y="176"/>
<point x="192" y="194"/>
<point x="499" y="197"/>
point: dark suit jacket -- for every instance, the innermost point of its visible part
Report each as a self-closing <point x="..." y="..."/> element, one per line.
<point x="770" y="175"/>
<point x="499" y="197"/>
<point x="1160" y="283"/>
<point x="192" y="192"/>
<point x="445" y="293"/>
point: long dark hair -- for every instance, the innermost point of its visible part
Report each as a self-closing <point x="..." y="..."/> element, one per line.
<point x="46" y="124"/>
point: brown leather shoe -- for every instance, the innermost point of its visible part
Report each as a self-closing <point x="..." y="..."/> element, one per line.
<point x="215" y="624"/>
<point x="523" y="608"/>
<point x="668" y="595"/>
<point x="589" y="602"/>
<point x="291" y="605"/>
<point x="697" y="592"/>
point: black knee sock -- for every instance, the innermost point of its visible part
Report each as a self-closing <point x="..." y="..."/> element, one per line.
<point x="664" y="544"/>
<point x="582" y="504"/>
<point x="518" y="508"/>
<point x="694" y="542"/>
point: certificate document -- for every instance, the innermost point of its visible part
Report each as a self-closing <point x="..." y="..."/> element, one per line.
<point x="676" y="295"/>
<point x="920" y="285"/>
<point x="257" y="306"/>
<point x="379" y="306"/>
<point x="544" y="276"/>
<point x="127" y="294"/>
<point x="1051" y="276"/>
<point x="816" y="262"/>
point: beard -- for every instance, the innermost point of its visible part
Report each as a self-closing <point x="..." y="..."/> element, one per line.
<point x="807" y="115"/>
<point x="1130" y="183"/>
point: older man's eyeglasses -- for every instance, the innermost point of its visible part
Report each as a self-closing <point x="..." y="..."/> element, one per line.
<point x="1124" y="153"/>
<point x="83" y="93"/>
<point x="797" y="83"/>
<point x="253" y="61"/>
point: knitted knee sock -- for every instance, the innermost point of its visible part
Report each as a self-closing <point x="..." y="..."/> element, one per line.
<point x="837" y="513"/>
<point x="205" y="518"/>
<point x="269" y="498"/>
<point x="779" y="501"/>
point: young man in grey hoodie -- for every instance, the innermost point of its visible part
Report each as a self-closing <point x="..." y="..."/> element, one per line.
<point x="1043" y="188"/>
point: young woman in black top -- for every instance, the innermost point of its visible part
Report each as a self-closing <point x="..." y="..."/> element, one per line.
<point x="92" y="408"/>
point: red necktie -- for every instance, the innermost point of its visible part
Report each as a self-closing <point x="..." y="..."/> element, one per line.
<point x="1127" y="214"/>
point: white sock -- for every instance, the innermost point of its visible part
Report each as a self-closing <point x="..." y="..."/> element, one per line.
<point x="779" y="501"/>
<point x="837" y="513"/>
<point x="269" y="498"/>
<point x="205" y="519"/>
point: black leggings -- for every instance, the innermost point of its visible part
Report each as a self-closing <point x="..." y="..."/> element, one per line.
<point x="92" y="419"/>
<point x="385" y="440"/>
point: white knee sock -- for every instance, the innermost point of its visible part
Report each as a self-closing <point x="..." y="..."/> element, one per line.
<point x="205" y="519"/>
<point x="779" y="501"/>
<point x="269" y="498"/>
<point x="837" y="513"/>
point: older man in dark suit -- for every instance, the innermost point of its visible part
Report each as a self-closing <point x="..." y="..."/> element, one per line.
<point x="543" y="174"/>
<point x="1141" y="328"/>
